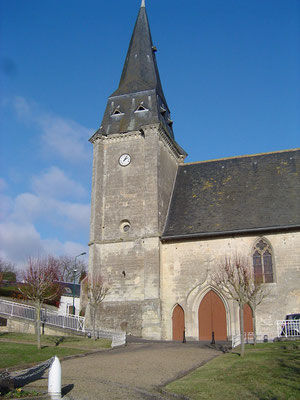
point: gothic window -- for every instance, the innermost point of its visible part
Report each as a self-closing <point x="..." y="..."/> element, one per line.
<point x="262" y="262"/>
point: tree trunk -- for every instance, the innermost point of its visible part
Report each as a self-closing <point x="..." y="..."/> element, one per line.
<point x="242" y="330"/>
<point x="95" y="314"/>
<point x="93" y="321"/>
<point x="38" y="325"/>
<point x="254" y="324"/>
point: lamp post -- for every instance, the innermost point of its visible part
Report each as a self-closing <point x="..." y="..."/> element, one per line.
<point x="75" y="270"/>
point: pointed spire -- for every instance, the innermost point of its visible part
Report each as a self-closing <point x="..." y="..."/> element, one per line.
<point x="140" y="70"/>
<point x="139" y="99"/>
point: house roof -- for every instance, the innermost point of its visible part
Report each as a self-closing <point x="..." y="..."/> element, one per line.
<point x="247" y="193"/>
<point x="68" y="288"/>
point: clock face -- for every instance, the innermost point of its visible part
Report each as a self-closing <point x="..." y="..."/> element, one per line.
<point x="124" y="160"/>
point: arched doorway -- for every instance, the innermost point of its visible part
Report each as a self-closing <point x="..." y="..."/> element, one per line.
<point x="248" y="321"/>
<point x="212" y="317"/>
<point x="178" y="323"/>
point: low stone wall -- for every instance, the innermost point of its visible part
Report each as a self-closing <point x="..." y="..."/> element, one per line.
<point x="22" y="326"/>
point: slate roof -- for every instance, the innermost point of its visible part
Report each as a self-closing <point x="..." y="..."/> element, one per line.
<point x="140" y="71"/>
<point x="68" y="287"/>
<point x="139" y="85"/>
<point x="247" y="193"/>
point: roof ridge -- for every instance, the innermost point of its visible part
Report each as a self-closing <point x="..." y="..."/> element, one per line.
<point x="243" y="156"/>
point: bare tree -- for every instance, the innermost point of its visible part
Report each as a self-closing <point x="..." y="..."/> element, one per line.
<point x="232" y="278"/>
<point x="97" y="290"/>
<point x="66" y="265"/>
<point x="8" y="270"/>
<point x="256" y="294"/>
<point x="39" y="285"/>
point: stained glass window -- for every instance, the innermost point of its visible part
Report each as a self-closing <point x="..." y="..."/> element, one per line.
<point x="262" y="262"/>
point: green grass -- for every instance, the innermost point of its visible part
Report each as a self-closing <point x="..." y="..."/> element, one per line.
<point x="15" y="354"/>
<point x="267" y="372"/>
<point x="64" y="341"/>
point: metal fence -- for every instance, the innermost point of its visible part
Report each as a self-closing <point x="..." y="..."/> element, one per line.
<point x="52" y="318"/>
<point x="73" y="322"/>
<point x="12" y="309"/>
<point x="17" y="310"/>
<point x="288" y="328"/>
<point x="117" y="338"/>
<point x="248" y="339"/>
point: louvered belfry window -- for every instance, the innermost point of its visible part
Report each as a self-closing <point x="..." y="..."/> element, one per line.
<point x="262" y="262"/>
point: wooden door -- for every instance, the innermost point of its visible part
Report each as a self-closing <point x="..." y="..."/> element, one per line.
<point x="248" y="321"/>
<point x="212" y="317"/>
<point x="178" y="323"/>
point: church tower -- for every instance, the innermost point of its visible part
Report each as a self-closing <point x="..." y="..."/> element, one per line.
<point x="135" y="164"/>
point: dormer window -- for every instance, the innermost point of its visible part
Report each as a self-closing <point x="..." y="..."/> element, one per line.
<point x="170" y="122"/>
<point x="163" y="110"/>
<point x="141" y="107"/>
<point x="117" y="111"/>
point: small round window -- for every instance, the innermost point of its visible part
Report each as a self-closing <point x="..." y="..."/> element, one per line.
<point x="125" y="226"/>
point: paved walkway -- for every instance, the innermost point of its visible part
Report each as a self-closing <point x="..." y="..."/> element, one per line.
<point x="133" y="372"/>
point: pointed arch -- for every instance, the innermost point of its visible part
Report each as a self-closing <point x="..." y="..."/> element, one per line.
<point x="212" y="317"/>
<point x="262" y="257"/>
<point x="178" y="324"/>
<point x="248" y="319"/>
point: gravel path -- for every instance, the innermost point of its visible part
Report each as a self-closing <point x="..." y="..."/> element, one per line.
<point x="133" y="372"/>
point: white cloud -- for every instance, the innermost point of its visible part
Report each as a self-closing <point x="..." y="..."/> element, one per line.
<point x="22" y="107"/>
<point x="76" y="215"/>
<point x="55" y="183"/>
<point x="67" y="215"/>
<point x="3" y="184"/>
<point x="65" y="138"/>
<point x="27" y="207"/>
<point x="54" y="246"/>
<point x="54" y="207"/>
<point x="61" y="137"/>
<point x="19" y="236"/>
<point x="5" y="206"/>
<point x="20" y="241"/>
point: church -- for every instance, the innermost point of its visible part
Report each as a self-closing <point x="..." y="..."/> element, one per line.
<point x="160" y="226"/>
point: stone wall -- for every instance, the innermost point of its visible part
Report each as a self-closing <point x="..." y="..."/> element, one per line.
<point x="137" y="195"/>
<point x="19" y="325"/>
<point x="186" y="268"/>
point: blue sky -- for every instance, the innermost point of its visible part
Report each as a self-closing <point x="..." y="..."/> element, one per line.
<point x="230" y="73"/>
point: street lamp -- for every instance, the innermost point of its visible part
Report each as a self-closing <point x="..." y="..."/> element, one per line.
<point x="75" y="270"/>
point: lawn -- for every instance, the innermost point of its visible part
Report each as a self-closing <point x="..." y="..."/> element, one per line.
<point x="14" y="353"/>
<point x="267" y="372"/>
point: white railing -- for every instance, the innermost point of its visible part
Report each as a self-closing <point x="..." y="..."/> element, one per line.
<point x="117" y="338"/>
<point x="235" y="340"/>
<point x="52" y="318"/>
<point x="248" y="339"/>
<point x="13" y="309"/>
<point x="73" y="322"/>
<point x="17" y="310"/>
<point x="288" y="328"/>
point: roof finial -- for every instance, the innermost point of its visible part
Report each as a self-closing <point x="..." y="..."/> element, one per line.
<point x="143" y="3"/>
